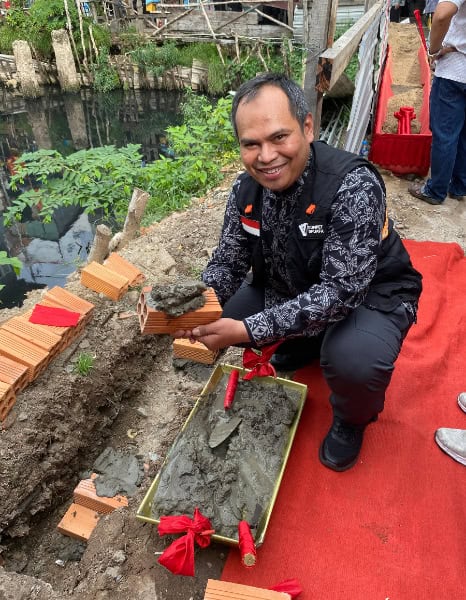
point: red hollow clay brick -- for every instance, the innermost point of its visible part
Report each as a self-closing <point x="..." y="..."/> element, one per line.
<point x="154" y="321"/>
<point x="63" y="332"/>
<point x="7" y="399"/>
<point x="118" y="264"/>
<point x="65" y="299"/>
<point x="14" y="348"/>
<point x="78" y="522"/>
<point x="196" y="352"/>
<point x="224" y="590"/>
<point x="98" y="278"/>
<point x="85" y="495"/>
<point x="34" y="333"/>
<point x="13" y="373"/>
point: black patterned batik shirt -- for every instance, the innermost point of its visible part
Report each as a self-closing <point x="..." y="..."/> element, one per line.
<point x="349" y="258"/>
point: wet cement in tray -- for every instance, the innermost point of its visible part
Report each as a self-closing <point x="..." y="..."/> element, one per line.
<point x="234" y="480"/>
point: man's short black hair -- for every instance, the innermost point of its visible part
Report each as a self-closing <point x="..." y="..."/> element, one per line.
<point x="248" y="90"/>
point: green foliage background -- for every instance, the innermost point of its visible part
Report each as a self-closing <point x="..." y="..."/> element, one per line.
<point x="104" y="178"/>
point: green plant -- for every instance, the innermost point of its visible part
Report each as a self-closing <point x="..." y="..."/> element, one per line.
<point x="105" y="76"/>
<point x="35" y="25"/>
<point x="104" y="178"/>
<point x="156" y="59"/>
<point x="14" y="262"/>
<point x="84" y="364"/>
<point x="98" y="178"/>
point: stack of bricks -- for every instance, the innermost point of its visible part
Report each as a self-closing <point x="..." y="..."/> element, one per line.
<point x="113" y="278"/>
<point x="195" y="352"/>
<point x="26" y="348"/>
<point x="154" y="321"/>
<point x="224" y="590"/>
<point x="87" y="507"/>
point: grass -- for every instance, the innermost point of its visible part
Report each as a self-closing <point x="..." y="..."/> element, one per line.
<point x="84" y="364"/>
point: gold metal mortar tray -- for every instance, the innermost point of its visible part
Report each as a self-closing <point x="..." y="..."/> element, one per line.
<point x="144" y="511"/>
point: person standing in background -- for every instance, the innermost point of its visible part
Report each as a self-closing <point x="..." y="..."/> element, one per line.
<point x="447" y="51"/>
<point x="395" y="10"/>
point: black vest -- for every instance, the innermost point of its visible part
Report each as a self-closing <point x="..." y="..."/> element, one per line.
<point x="395" y="280"/>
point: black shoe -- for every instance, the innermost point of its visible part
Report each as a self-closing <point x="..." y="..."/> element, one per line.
<point x="289" y="361"/>
<point x="416" y="190"/>
<point x="456" y="197"/>
<point x="341" y="446"/>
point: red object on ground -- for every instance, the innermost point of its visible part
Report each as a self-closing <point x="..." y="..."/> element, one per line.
<point x="408" y="153"/>
<point x="258" y="361"/>
<point x="231" y="389"/>
<point x="49" y="315"/>
<point x="405" y="115"/>
<point x="179" y="556"/>
<point x="393" y="525"/>
<point x="289" y="586"/>
<point x="417" y="16"/>
<point x="247" y="547"/>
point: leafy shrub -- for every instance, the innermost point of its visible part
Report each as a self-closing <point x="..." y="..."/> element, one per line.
<point x="105" y="76"/>
<point x="104" y="178"/>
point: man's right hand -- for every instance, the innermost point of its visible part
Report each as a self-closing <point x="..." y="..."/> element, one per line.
<point x="218" y="334"/>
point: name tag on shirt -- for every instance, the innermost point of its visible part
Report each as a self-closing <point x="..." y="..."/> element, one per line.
<point x="312" y="231"/>
<point x="251" y="226"/>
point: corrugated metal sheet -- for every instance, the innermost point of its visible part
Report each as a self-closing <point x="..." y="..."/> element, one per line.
<point x="370" y="52"/>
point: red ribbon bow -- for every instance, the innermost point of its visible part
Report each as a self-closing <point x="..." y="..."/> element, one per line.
<point x="289" y="586"/>
<point x="258" y="361"/>
<point x="179" y="556"/>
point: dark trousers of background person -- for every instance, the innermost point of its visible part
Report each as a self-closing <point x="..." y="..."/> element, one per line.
<point x="416" y="5"/>
<point x="357" y="354"/>
<point x="395" y="14"/>
<point x="448" y="151"/>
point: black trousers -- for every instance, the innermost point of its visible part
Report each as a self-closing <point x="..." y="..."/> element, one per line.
<point x="357" y="355"/>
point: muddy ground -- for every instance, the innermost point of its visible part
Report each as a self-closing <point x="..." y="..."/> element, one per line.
<point x="135" y="399"/>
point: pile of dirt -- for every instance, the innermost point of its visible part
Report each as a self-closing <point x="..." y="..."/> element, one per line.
<point x="404" y="41"/>
<point x="135" y="400"/>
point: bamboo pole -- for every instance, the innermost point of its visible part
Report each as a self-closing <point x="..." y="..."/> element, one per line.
<point x="81" y="31"/>
<point x="70" y="29"/>
<point x="212" y="33"/>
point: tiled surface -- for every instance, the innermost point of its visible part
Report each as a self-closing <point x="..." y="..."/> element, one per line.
<point x="196" y="352"/>
<point x="17" y="349"/>
<point x="224" y="590"/>
<point x="7" y="399"/>
<point x="85" y="495"/>
<point x="13" y="373"/>
<point x="154" y="321"/>
<point x="118" y="264"/>
<point x="78" y="522"/>
<point x="98" y="278"/>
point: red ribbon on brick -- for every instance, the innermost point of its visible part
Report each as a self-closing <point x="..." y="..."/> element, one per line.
<point x="51" y="315"/>
<point x="292" y="587"/>
<point x="258" y="361"/>
<point x="179" y="556"/>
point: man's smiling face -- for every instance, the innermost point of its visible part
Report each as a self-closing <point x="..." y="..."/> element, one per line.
<point x="274" y="148"/>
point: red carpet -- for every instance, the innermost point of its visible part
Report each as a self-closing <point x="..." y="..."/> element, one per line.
<point x="394" y="526"/>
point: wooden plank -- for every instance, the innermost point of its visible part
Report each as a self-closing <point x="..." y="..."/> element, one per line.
<point x="218" y="19"/>
<point x="253" y="31"/>
<point x="316" y="26"/>
<point x="334" y="60"/>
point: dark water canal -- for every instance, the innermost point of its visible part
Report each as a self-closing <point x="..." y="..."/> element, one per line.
<point x="68" y="122"/>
